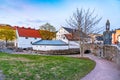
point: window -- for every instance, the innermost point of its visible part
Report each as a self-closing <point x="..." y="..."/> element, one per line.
<point x="35" y="38"/>
<point x="26" y="37"/>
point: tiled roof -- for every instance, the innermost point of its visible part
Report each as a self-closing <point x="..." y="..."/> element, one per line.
<point x="14" y="27"/>
<point x="71" y="37"/>
<point x="49" y="42"/>
<point x="76" y="32"/>
<point x="28" y="32"/>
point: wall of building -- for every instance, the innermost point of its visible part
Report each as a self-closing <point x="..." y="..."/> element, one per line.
<point x="49" y="47"/>
<point x="60" y="33"/>
<point x="115" y="36"/>
<point x="23" y="42"/>
<point x="73" y="44"/>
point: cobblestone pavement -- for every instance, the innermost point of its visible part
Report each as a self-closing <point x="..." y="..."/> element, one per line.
<point x="104" y="70"/>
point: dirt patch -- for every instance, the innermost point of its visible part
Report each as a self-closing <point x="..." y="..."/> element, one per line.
<point x="15" y="59"/>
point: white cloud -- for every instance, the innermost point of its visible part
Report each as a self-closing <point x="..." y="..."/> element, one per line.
<point x="16" y="12"/>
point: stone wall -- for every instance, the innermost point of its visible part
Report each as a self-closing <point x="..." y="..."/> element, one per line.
<point x="112" y="53"/>
<point x="58" y="52"/>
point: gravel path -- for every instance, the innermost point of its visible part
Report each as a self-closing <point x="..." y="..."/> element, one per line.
<point x="1" y="75"/>
<point x="104" y="69"/>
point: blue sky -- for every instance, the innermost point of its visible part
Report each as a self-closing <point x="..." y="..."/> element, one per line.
<point x="33" y="13"/>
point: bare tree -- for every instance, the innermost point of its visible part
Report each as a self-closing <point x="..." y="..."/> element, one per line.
<point x="84" y="21"/>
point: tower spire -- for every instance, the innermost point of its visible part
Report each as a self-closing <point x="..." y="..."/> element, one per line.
<point x="107" y="25"/>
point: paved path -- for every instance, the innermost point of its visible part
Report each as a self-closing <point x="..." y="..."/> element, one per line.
<point x="1" y="75"/>
<point x="104" y="70"/>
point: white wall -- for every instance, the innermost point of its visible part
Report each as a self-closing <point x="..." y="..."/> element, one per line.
<point x="60" y="36"/>
<point x="49" y="47"/>
<point x="63" y="38"/>
<point x="60" y="33"/>
<point x="73" y="44"/>
<point x="119" y="38"/>
<point x="22" y="42"/>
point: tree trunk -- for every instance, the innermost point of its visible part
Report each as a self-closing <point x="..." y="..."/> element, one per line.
<point x="6" y="42"/>
<point x="80" y="47"/>
<point x="82" y="50"/>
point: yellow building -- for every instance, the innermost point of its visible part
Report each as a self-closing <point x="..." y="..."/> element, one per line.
<point x="116" y="36"/>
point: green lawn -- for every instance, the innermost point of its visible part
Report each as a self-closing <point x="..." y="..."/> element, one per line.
<point x="36" y="67"/>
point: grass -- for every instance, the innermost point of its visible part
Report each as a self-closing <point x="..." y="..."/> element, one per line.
<point x="36" y="67"/>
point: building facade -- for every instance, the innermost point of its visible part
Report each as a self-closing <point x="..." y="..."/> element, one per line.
<point x="26" y="36"/>
<point x="47" y="45"/>
<point x="116" y="36"/>
<point x="66" y="35"/>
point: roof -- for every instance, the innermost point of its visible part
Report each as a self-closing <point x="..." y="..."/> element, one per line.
<point x="99" y="38"/>
<point x="74" y="36"/>
<point x="71" y="37"/>
<point x="14" y="28"/>
<point x="68" y="29"/>
<point x="49" y="42"/>
<point x="28" y="32"/>
<point x="76" y="33"/>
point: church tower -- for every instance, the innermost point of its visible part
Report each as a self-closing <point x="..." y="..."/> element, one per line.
<point x="107" y="35"/>
<point x="107" y="25"/>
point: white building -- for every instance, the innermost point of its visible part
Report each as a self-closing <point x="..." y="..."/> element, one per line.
<point x="62" y="31"/>
<point x="26" y="36"/>
<point x="70" y="36"/>
<point x="46" y="45"/>
<point x="73" y="42"/>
